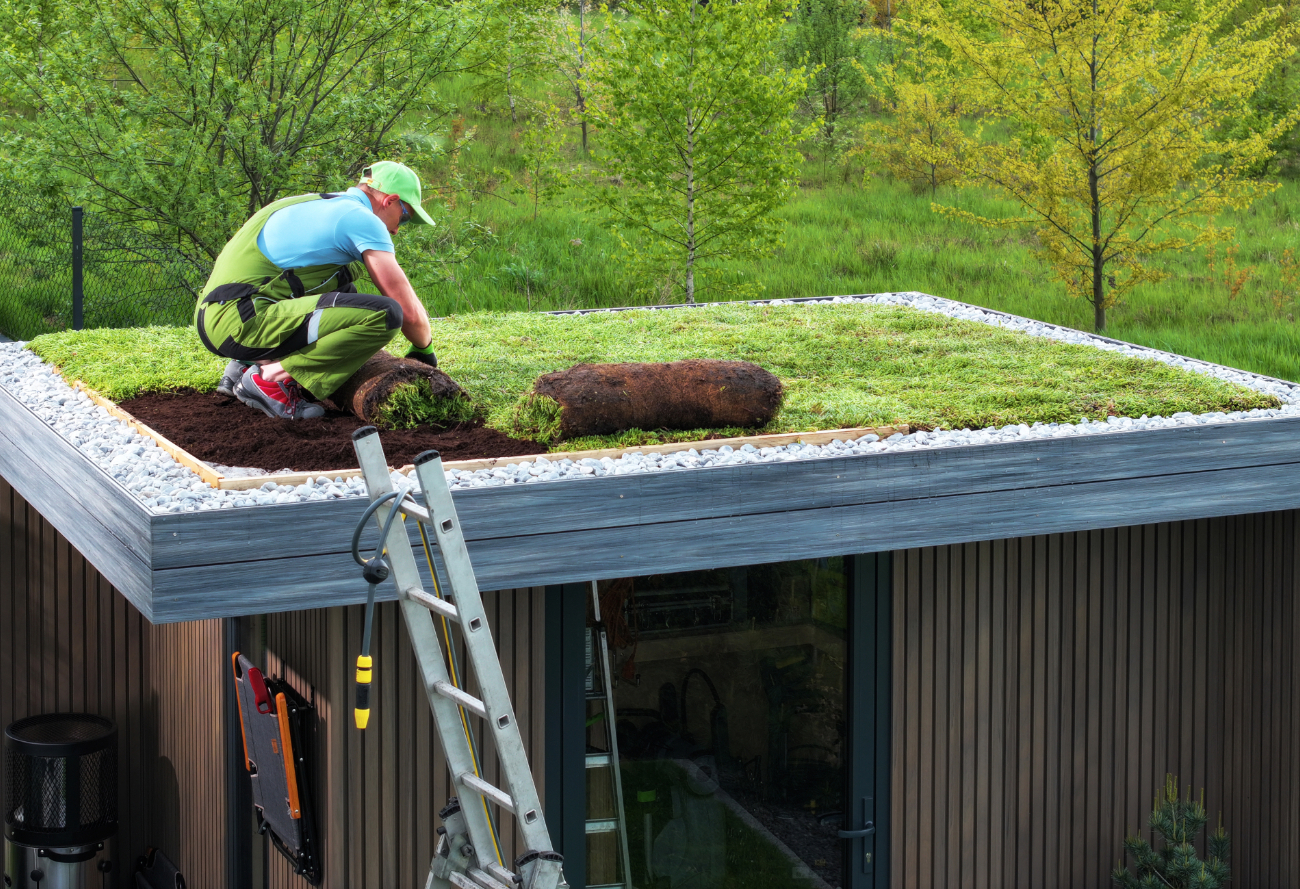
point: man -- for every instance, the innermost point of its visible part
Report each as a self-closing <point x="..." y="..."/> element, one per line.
<point x="281" y="304"/>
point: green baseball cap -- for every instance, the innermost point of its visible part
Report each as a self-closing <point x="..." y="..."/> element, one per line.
<point x="391" y="177"/>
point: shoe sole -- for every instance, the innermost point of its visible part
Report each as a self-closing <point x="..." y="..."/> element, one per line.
<point x="228" y="385"/>
<point x="253" y="402"/>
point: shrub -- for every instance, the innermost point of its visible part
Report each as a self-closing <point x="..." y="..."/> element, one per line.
<point x="1175" y="864"/>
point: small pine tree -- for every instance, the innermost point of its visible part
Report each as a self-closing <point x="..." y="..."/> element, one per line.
<point x="1175" y="865"/>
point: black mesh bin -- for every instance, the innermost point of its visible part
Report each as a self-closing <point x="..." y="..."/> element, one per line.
<point x="60" y="780"/>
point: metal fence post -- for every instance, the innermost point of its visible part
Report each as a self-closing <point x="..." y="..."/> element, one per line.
<point x="77" y="295"/>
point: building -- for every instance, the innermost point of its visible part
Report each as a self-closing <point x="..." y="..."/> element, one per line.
<point x="993" y="653"/>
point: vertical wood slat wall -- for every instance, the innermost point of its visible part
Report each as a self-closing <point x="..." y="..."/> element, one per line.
<point x="1045" y="685"/>
<point x="379" y="791"/>
<point x="70" y="642"/>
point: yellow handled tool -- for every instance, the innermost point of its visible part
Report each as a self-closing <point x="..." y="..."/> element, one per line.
<point x="363" y="690"/>
<point x="375" y="570"/>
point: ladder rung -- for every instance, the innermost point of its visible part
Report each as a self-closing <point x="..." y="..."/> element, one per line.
<point x="434" y="604"/>
<point x="505" y="876"/>
<point x="484" y="789"/>
<point x="468" y="701"/>
<point x="598" y="760"/>
<point x="416" y="511"/>
<point x="474" y="879"/>
<point x="486" y="880"/>
<point x="602" y="825"/>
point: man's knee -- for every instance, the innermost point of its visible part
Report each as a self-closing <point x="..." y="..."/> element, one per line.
<point x="393" y="316"/>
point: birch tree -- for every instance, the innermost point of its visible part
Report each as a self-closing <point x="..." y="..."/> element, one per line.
<point x="694" y="113"/>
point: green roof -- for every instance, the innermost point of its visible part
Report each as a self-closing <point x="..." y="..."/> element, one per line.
<point x="843" y="365"/>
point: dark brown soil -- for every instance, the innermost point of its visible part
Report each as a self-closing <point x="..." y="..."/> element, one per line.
<point x="223" y="430"/>
<point x="600" y="399"/>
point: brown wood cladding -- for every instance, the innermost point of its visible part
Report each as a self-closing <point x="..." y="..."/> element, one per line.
<point x="69" y="642"/>
<point x="380" y="790"/>
<point x="1045" y="685"/>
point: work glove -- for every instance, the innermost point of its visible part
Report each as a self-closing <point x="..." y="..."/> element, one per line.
<point x="424" y="355"/>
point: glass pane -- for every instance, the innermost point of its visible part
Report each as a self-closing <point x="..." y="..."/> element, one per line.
<point x="729" y="700"/>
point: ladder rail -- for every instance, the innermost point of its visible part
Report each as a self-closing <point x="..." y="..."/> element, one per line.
<point x="607" y="670"/>
<point x="429" y="655"/>
<point x="501" y="719"/>
<point x="460" y="603"/>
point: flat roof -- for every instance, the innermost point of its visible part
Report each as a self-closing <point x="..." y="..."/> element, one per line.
<point x="284" y="557"/>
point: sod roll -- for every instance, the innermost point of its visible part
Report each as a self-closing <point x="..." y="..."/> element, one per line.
<point x="601" y="399"/>
<point x="368" y="390"/>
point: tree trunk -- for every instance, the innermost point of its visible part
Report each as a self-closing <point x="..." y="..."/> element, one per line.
<point x="690" y="185"/>
<point x="1098" y="298"/>
<point x="1098" y="254"/>
<point x="690" y="214"/>
<point x="1094" y="198"/>
<point x="510" y="95"/>
<point x="582" y="66"/>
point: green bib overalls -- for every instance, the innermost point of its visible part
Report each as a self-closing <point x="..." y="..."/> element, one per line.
<point x="310" y="319"/>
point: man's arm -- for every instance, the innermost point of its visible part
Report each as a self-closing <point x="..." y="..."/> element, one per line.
<point x="392" y="283"/>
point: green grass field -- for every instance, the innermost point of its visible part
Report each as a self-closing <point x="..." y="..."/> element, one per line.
<point x="842" y="366"/>
<point x="850" y="230"/>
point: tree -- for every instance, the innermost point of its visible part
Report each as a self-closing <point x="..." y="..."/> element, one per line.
<point x="543" y="144"/>
<point x="185" y="116"/>
<point x="922" y="103"/>
<point x="695" y="118"/>
<point x="1116" y="125"/>
<point x="1174" y="865"/>
<point x="575" y="41"/>
<point x="912" y="141"/>
<point x="31" y="28"/>
<point x="517" y="44"/>
<point x="822" y="35"/>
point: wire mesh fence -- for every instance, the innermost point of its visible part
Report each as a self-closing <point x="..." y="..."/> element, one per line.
<point x="64" y="269"/>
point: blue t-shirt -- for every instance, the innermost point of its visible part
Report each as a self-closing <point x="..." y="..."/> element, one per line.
<point x="325" y="232"/>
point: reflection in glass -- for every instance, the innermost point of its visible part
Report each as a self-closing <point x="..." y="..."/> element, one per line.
<point x="729" y="700"/>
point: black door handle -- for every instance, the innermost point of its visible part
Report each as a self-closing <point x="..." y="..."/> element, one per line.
<point x="854" y="834"/>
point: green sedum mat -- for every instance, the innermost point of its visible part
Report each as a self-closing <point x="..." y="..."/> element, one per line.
<point x="842" y="366"/>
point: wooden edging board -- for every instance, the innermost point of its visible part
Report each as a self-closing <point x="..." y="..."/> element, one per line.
<point x="182" y="456"/>
<point x="758" y="441"/>
<point x="211" y="476"/>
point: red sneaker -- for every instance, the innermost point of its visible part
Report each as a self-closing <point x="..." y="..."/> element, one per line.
<point x="283" y="401"/>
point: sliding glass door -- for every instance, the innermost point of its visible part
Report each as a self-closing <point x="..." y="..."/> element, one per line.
<point x="736" y="716"/>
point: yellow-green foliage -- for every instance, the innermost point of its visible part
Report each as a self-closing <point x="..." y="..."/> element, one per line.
<point x="1115" y="124"/>
<point x="842" y="366"/>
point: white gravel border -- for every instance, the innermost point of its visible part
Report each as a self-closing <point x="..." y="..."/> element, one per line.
<point x="165" y="486"/>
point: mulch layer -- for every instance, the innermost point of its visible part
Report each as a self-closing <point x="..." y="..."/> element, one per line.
<point x="223" y="430"/>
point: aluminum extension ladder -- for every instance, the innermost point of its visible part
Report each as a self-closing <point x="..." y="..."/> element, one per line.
<point x="467" y="854"/>
<point x="603" y="692"/>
